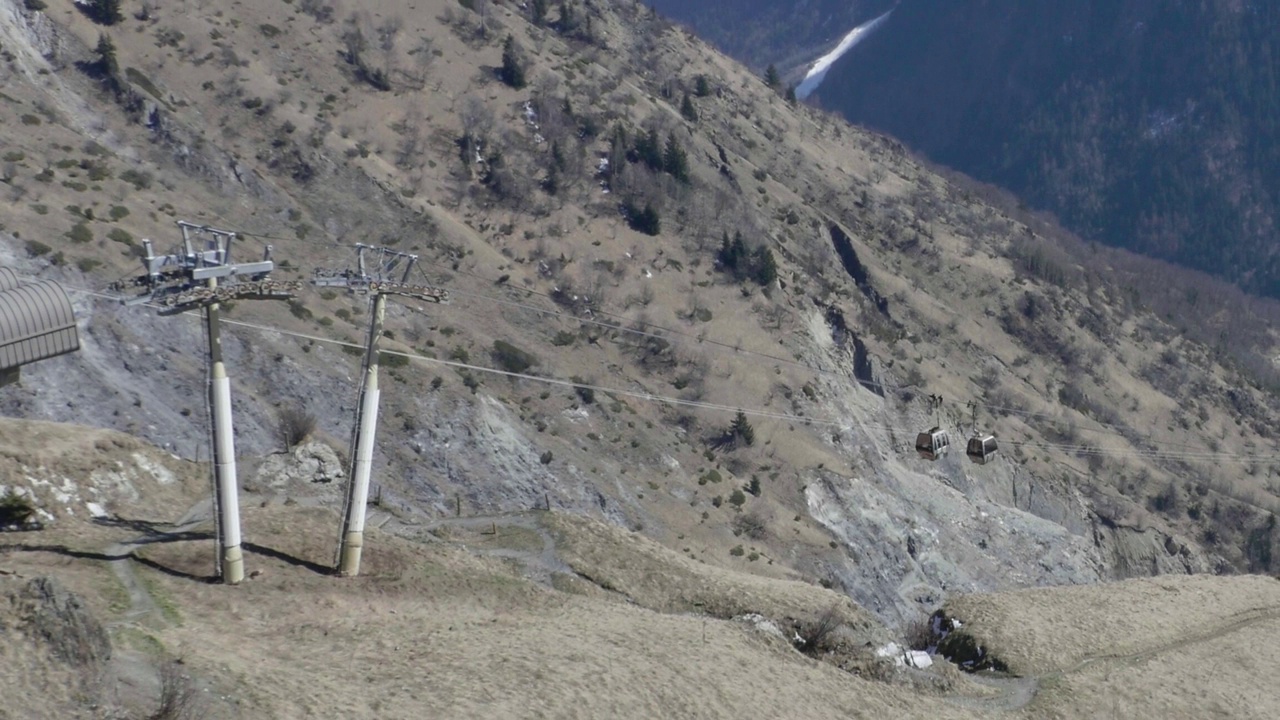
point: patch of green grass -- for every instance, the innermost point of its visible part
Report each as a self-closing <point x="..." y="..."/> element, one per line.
<point x="139" y="641"/>
<point x="80" y="233"/>
<point x="160" y="596"/>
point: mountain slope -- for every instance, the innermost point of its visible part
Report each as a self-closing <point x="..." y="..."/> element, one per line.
<point x="585" y="226"/>
<point x="1144" y="124"/>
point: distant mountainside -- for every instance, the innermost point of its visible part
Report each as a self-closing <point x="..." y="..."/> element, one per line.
<point x="1146" y="124"/>
<point x="760" y="32"/>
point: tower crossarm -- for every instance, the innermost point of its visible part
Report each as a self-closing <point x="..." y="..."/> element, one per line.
<point x="418" y="292"/>
<point x="251" y="290"/>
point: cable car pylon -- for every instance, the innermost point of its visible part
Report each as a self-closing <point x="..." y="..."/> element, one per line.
<point x="375" y="283"/>
<point x="187" y="279"/>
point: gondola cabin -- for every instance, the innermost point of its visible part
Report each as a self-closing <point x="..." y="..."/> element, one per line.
<point x="981" y="449"/>
<point x="932" y="444"/>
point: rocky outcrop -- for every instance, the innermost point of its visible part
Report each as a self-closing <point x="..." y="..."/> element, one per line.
<point x="309" y="462"/>
<point x="58" y="620"/>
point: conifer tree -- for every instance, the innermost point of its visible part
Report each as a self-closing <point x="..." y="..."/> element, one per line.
<point x="765" y="268"/>
<point x="539" y="11"/>
<point x="106" y="12"/>
<point x="649" y="149"/>
<point x="791" y="95"/>
<point x="568" y="21"/>
<point x="687" y="110"/>
<point x="646" y="221"/>
<point x="701" y="87"/>
<point x="512" y="70"/>
<point x="107" y="62"/>
<point x="771" y="77"/>
<point x="742" y="430"/>
<point x="674" y="160"/>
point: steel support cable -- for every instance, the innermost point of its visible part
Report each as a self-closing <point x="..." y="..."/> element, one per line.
<point x="1104" y="427"/>
<point x="1080" y="449"/>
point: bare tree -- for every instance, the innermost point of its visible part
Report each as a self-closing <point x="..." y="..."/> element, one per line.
<point x="815" y="634"/>
<point x="293" y="426"/>
<point x="178" y="697"/>
<point x="423" y="58"/>
<point x="387" y="34"/>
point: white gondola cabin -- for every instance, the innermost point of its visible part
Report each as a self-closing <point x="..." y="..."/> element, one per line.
<point x="932" y="444"/>
<point x="981" y="449"/>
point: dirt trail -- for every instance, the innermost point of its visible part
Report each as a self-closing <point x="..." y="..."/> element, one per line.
<point x="539" y="564"/>
<point x="1016" y="693"/>
<point x="141" y="605"/>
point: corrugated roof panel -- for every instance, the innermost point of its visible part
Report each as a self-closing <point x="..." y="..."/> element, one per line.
<point x="8" y="279"/>
<point x="36" y="323"/>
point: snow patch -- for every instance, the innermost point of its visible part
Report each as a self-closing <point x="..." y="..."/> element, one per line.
<point x="818" y="72"/>
<point x="903" y="657"/>
<point x="161" y="473"/>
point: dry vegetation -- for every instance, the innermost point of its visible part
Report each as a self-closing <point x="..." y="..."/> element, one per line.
<point x="318" y="124"/>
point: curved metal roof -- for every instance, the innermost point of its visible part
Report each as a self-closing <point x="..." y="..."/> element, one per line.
<point x="36" y="323"/>
<point x="8" y="279"/>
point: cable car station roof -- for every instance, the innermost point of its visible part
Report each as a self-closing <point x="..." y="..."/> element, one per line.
<point x="36" y="323"/>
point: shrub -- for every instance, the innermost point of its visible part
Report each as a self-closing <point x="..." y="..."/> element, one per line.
<point x="586" y="394"/>
<point x="15" y="509"/>
<point x="814" y="635"/>
<point x="80" y="233"/>
<point x="293" y="425"/>
<point x="545" y="458"/>
<point x="121" y="236"/>
<point x="749" y="524"/>
<point x="511" y="358"/>
<point x="299" y="310"/>
<point x="87" y="265"/>
<point x="918" y="633"/>
<point x="737" y="551"/>
<point x="30" y="119"/>
<point x="141" y="180"/>
<point x="118" y="212"/>
<point x="392" y="361"/>
<point x="737" y="498"/>
<point x="35" y="248"/>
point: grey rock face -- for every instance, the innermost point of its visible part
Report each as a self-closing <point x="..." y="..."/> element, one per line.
<point x="310" y="462"/>
<point x="55" y="617"/>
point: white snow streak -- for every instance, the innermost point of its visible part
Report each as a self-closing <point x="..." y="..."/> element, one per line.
<point x="818" y="72"/>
